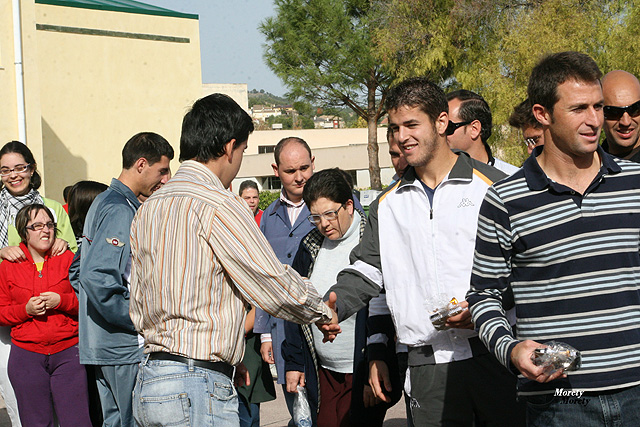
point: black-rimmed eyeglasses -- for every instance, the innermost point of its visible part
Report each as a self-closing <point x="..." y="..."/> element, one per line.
<point x="37" y="226"/>
<point x="615" y="113"/>
<point x="329" y="216"/>
<point x="453" y="126"/>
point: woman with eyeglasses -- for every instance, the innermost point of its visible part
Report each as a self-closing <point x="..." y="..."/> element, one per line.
<point x="37" y="301"/>
<point x="327" y="369"/>
<point x="20" y="183"/>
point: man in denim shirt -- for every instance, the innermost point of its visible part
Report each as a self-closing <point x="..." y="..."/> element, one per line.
<point x="108" y="340"/>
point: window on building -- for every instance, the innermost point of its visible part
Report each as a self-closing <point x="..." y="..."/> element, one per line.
<point x="271" y="183"/>
<point x="263" y="149"/>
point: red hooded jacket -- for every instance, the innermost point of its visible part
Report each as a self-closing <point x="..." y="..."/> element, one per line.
<point x="57" y="329"/>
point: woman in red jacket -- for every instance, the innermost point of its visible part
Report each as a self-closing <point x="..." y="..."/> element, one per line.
<point x="37" y="300"/>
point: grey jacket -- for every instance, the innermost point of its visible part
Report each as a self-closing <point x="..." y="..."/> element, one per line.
<point x="100" y="273"/>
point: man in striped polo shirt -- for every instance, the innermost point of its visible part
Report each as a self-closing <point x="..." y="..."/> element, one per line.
<point x="562" y="234"/>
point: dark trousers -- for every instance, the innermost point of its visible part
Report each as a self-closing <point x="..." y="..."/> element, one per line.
<point x="474" y="392"/>
<point x="335" y="395"/>
<point x="42" y="382"/>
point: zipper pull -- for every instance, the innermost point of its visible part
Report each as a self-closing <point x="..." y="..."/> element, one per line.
<point x="431" y="213"/>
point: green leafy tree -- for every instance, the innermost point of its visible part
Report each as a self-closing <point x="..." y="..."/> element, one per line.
<point x="267" y="197"/>
<point x="323" y="52"/>
<point x="490" y="46"/>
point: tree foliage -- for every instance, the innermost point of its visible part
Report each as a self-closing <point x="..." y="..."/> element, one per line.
<point x="323" y="52"/>
<point x="490" y="46"/>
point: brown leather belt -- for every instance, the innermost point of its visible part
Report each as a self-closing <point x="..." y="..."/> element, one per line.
<point x="222" y="367"/>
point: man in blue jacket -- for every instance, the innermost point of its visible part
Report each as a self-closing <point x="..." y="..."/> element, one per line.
<point x="284" y="223"/>
<point x="108" y="339"/>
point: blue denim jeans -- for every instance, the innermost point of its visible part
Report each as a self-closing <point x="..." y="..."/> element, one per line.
<point x="169" y="393"/>
<point x="616" y="408"/>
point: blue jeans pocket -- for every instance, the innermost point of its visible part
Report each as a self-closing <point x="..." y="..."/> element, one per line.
<point x="223" y="391"/>
<point x="171" y="410"/>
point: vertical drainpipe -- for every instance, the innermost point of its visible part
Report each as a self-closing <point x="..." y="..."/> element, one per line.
<point x="17" y="49"/>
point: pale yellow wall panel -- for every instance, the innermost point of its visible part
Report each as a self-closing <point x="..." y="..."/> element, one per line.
<point x="97" y="91"/>
<point x="8" y="109"/>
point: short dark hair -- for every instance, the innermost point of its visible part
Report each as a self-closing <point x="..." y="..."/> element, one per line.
<point x="523" y="116"/>
<point x="555" y="69"/>
<point x="81" y="196"/>
<point x="328" y="183"/>
<point x="211" y="123"/>
<point x="65" y="193"/>
<point x="24" y="215"/>
<point x="418" y="92"/>
<point x="248" y="184"/>
<point x="148" y="145"/>
<point x="474" y="107"/>
<point x="286" y="141"/>
<point x="20" y="148"/>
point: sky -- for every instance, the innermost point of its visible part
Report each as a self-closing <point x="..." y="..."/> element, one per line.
<point x="230" y="43"/>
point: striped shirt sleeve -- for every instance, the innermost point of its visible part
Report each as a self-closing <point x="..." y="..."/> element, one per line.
<point x="490" y="277"/>
<point x="250" y="262"/>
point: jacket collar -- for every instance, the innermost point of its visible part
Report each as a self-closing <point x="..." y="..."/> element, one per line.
<point x="25" y="249"/>
<point x="280" y="209"/>
<point x="461" y="170"/>
<point x="537" y="180"/>
<point x="119" y="187"/>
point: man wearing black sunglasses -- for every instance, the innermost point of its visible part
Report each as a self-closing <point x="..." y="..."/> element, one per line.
<point x="621" y="92"/>
<point x="469" y="128"/>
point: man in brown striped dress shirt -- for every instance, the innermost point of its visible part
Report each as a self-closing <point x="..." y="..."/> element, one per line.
<point x="198" y="255"/>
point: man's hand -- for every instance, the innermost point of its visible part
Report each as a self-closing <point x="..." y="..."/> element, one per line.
<point x="266" y="351"/>
<point x="522" y="358"/>
<point x="59" y="247"/>
<point x="379" y="378"/>
<point x="332" y="329"/>
<point x="294" y="379"/>
<point x="368" y="397"/>
<point x="12" y="254"/>
<point x="35" y="306"/>
<point x="462" y="320"/>
<point x="242" y="376"/>
<point x="51" y="299"/>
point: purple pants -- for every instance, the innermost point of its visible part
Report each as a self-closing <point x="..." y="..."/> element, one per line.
<point x="42" y="382"/>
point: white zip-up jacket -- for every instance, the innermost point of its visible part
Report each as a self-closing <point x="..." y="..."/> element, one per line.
<point x="419" y="255"/>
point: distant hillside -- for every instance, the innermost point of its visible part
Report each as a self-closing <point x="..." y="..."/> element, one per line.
<point x="265" y="98"/>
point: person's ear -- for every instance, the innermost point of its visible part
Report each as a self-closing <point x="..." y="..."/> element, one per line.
<point x="441" y="123"/>
<point x="475" y="128"/>
<point x="275" y="170"/>
<point x="541" y="114"/>
<point x="140" y="164"/>
<point x="349" y="206"/>
<point x="229" y="149"/>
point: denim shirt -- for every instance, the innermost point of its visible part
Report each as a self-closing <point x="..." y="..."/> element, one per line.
<point x="107" y="335"/>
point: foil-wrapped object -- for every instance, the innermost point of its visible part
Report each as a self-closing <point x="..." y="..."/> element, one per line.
<point x="440" y="315"/>
<point x="557" y="356"/>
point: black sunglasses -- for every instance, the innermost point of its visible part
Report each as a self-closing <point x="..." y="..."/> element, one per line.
<point x="452" y="126"/>
<point x="616" y="113"/>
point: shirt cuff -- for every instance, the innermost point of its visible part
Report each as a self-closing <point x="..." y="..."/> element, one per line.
<point x="265" y="338"/>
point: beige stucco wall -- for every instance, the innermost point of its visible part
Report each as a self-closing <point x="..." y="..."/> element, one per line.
<point x="237" y="91"/>
<point x="316" y="138"/>
<point x="9" y="127"/>
<point x="97" y="91"/>
<point x="343" y="148"/>
<point x="8" y="110"/>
